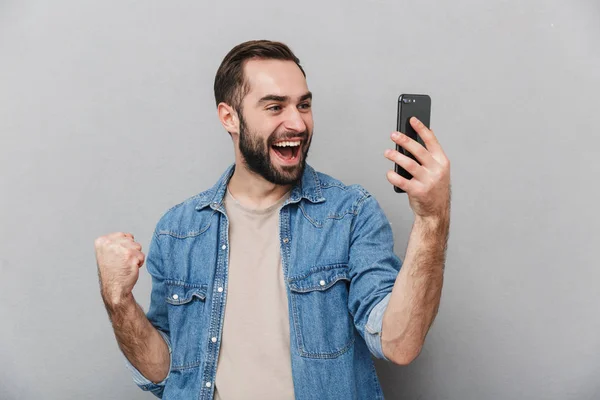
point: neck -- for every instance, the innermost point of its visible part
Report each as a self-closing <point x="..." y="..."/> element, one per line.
<point x="252" y="190"/>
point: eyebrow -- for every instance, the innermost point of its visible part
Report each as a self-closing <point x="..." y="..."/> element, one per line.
<point x="283" y="99"/>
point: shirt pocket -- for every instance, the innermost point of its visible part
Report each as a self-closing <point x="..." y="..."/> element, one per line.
<point x="185" y="309"/>
<point x="322" y="322"/>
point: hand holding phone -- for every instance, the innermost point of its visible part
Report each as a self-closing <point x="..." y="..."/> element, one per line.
<point x="411" y="105"/>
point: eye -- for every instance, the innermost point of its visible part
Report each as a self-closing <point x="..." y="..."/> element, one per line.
<point x="304" y="106"/>
<point x="274" y="108"/>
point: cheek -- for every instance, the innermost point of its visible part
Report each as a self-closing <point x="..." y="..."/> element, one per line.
<point x="263" y="128"/>
<point x="260" y="133"/>
<point x="308" y="121"/>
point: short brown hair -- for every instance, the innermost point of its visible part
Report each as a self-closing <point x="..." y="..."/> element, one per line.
<point x="230" y="83"/>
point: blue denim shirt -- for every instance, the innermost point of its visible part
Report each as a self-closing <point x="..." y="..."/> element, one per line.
<point x="339" y="266"/>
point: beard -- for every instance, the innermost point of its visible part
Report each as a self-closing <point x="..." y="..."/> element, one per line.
<point x="257" y="155"/>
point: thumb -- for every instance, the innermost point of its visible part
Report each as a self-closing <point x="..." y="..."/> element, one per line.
<point x="141" y="259"/>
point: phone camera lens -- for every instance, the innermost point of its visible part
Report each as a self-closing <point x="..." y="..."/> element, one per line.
<point x="406" y="100"/>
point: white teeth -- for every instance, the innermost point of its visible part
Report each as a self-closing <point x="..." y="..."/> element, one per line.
<point x="287" y="144"/>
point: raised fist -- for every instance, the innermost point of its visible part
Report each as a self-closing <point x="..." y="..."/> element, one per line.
<point x="119" y="259"/>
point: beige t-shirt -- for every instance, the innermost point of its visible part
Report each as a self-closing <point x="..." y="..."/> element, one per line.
<point x="254" y="360"/>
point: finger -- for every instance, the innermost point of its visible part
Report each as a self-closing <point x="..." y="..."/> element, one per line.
<point x="128" y="244"/>
<point x="399" y="181"/>
<point x="413" y="147"/>
<point x="405" y="162"/>
<point x="115" y="236"/>
<point x="142" y="259"/>
<point x="136" y="258"/>
<point x="429" y="138"/>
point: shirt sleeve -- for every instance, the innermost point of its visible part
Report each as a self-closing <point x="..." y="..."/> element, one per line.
<point x="144" y="383"/>
<point x="373" y="328"/>
<point x="157" y="315"/>
<point x="373" y="267"/>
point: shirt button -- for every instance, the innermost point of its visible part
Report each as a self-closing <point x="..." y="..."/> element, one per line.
<point x="285" y="240"/>
<point x="175" y="297"/>
<point x="214" y="340"/>
<point x="322" y="283"/>
<point x="208" y="384"/>
<point x="220" y="289"/>
<point x="223" y="247"/>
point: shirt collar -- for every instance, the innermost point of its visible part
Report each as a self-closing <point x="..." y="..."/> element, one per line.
<point x="309" y="188"/>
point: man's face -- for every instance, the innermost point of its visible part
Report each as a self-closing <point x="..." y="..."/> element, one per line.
<point x="276" y="122"/>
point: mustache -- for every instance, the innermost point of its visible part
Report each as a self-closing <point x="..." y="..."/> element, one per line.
<point x="287" y="135"/>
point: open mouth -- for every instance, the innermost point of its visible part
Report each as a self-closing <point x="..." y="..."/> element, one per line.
<point x="287" y="151"/>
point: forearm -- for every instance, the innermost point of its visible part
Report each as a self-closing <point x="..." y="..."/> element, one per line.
<point x="416" y="294"/>
<point x="141" y="343"/>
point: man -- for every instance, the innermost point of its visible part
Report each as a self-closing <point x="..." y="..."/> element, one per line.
<point x="279" y="282"/>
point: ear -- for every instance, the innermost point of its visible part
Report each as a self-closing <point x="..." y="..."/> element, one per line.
<point x="229" y="118"/>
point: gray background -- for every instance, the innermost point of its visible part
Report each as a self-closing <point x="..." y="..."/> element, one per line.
<point x="107" y="119"/>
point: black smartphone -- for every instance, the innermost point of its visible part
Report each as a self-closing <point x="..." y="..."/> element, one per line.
<point x="411" y="105"/>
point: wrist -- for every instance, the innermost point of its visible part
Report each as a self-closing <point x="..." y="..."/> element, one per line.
<point x="118" y="303"/>
<point x="432" y="222"/>
<point x="432" y="230"/>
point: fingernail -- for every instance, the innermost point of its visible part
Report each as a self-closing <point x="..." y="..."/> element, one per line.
<point x="387" y="152"/>
<point x="395" y="135"/>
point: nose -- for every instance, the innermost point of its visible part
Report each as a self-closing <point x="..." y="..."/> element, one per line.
<point x="294" y="121"/>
